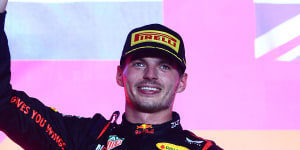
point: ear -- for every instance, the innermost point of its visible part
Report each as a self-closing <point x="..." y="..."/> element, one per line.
<point x="119" y="76"/>
<point x="182" y="83"/>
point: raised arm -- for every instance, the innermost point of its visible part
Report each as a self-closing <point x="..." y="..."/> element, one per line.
<point x="24" y="119"/>
<point x="4" y="55"/>
<point x="29" y="122"/>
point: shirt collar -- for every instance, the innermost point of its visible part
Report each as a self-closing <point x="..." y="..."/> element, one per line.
<point x="148" y="129"/>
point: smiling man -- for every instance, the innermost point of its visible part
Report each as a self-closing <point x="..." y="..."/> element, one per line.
<point x="152" y="70"/>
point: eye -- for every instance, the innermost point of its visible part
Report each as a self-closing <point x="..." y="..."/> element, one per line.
<point x="138" y="64"/>
<point x="165" y="67"/>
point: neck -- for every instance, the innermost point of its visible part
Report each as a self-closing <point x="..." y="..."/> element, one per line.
<point x="160" y="117"/>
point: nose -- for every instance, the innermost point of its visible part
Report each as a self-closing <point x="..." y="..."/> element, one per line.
<point x="150" y="73"/>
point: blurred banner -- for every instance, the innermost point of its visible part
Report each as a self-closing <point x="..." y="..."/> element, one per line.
<point x="242" y="61"/>
<point x="277" y="29"/>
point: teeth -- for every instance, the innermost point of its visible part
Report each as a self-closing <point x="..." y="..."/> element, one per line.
<point x="149" y="88"/>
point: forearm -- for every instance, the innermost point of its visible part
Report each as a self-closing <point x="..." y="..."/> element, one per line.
<point x="5" y="87"/>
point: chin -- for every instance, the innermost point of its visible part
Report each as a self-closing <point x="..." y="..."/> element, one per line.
<point x="149" y="108"/>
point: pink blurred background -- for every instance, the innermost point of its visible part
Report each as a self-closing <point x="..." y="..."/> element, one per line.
<point x="229" y="88"/>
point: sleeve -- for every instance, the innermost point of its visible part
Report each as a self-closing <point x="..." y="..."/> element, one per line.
<point x="205" y="144"/>
<point x="215" y="147"/>
<point x="30" y="123"/>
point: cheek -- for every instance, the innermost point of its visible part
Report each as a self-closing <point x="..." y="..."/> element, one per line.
<point x="130" y="80"/>
<point x="132" y="75"/>
<point x="127" y="83"/>
<point x="128" y="88"/>
<point x="172" y="82"/>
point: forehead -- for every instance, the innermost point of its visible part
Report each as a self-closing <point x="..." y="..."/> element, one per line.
<point x="162" y="58"/>
<point x="159" y="58"/>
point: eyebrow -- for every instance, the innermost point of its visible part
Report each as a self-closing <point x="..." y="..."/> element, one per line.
<point x="161" y="61"/>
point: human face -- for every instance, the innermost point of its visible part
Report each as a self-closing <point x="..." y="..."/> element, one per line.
<point x="150" y="82"/>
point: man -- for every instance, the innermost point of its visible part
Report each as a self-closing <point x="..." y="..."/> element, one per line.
<point x="152" y="71"/>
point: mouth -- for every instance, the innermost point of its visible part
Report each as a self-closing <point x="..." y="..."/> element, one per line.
<point x="149" y="90"/>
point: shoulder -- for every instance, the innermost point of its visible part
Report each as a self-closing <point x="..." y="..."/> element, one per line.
<point x="204" y="144"/>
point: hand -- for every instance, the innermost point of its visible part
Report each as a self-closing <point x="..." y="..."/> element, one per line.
<point x="3" y="4"/>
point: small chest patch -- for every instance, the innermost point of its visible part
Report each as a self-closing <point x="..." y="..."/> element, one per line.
<point x="169" y="146"/>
